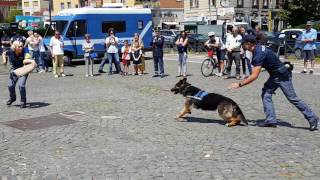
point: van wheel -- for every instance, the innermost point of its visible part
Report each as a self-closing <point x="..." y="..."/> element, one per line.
<point x="298" y="53"/>
<point x="67" y="60"/>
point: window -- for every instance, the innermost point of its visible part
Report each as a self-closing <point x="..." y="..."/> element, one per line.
<point x="62" y="6"/>
<point x="77" y="6"/>
<point x="194" y="3"/>
<point x="265" y="4"/>
<point x="26" y="4"/>
<point x="77" y="29"/>
<point x="212" y="2"/>
<point x="255" y="3"/>
<point x="239" y="3"/>
<point x="69" y="5"/>
<point x="279" y="3"/>
<point x="35" y="3"/>
<point x="140" y="24"/>
<point x="118" y="26"/>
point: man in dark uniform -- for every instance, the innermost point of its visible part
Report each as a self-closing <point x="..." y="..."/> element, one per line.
<point x="157" y="51"/>
<point x="16" y="56"/>
<point x="280" y="76"/>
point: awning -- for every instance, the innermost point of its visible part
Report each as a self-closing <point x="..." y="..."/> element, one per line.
<point x="192" y="23"/>
<point x="170" y="23"/>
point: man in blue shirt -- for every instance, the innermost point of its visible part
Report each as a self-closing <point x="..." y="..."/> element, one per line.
<point x="280" y="76"/>
<point x="309" y="36"/>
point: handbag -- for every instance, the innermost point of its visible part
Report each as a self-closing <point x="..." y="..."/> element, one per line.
<point x="93" y="55"/>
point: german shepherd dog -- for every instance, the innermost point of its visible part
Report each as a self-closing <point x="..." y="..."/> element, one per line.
<point x="227" y="108"/>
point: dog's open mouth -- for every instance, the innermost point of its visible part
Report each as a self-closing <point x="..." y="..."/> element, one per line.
<point x="175" y="90"/>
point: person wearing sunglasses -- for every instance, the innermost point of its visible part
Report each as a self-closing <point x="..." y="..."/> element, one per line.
<point x="56" y="47"/>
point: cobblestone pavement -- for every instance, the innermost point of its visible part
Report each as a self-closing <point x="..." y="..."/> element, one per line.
<point x="128" y="131"/>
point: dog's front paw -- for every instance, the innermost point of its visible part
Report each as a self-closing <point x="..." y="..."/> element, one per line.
<point x="229" y="125"/>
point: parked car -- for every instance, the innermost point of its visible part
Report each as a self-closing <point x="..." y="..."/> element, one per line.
<point x="289" y="36"/>
<point x="195" y="42"/>
<point x="272" y="41"/>
<point x="298" y="48"/>
<point x="169" y="35"/>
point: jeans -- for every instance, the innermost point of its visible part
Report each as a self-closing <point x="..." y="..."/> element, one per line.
<point x="43" y="63"/>
<point x="115" y="57"/>
<point x="246" y="62"/>
<point x="158" y="62"/>
<point x="234" y="56"/>
<point x="13" y="80"/>
<point x="89" y="65"/>
<point x="35" y="55"/>
<point x="285" y="84"/>
<point x="183" y="63"/>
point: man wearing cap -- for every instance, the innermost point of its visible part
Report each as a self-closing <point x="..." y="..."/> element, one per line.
<point x="309" y="36"/>
<point x="280" y="76"/>
<point x="215" y="44"/>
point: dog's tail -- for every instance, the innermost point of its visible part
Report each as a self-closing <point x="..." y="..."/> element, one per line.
<point x="242" y="118"/>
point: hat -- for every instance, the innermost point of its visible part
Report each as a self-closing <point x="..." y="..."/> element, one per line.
<point x="211" y="33"/>
<point x="249" y="38"/>
<point x="309" y="23"/>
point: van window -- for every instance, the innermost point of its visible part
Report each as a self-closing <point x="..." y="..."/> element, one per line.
<point x="77" y="28"/>
<point x="140" y="24"/>
<point x="118" y="26"/>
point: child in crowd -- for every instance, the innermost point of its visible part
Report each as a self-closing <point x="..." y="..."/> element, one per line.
<point x="136" y="54"/>
<point x="88" y="48"/>
<point x="126" y="50"/>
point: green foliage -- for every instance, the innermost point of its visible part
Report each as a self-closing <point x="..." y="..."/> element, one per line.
<point x="12" y="15"/>
<point x="298" y="12"/>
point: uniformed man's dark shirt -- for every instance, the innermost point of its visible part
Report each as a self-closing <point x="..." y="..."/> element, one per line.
<point x="14" y="60"/>
<point x="265" y="58"/>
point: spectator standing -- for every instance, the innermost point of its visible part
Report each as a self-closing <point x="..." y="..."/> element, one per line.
<point x="43" y="61"/>
<point x="182" y="46"/>
<point x="17" y="37"/>
<point x="309" y="36"/>
<point x="5" y="45"/>
<point x="136" y="38"/>
<point x="136" y="54"/>
<point x="33" y="43"/>
<point x="88" y="48"/>
<point x="112" y="51"/>
<point x="56" y="46"/>
<point x="246" y="56"/>
<point x="214" y="44"/>
<point x="126" y="56"/>
<point x="233" y="45"/>
<point x="157" y="52"/>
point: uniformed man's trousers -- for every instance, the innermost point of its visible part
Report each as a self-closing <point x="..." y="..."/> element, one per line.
<point x="285" y="84"/>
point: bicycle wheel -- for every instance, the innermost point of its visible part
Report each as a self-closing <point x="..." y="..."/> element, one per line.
<point x="207" y="67"/>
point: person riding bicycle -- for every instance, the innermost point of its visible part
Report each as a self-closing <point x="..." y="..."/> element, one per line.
<point x="214" y="44"/>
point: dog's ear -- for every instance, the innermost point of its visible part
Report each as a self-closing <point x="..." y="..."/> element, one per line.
<point x="184" y="79"/>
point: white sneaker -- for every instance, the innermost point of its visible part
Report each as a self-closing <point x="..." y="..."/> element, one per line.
<point x="218" y="74"/>
<point x="41" y="71"/>
<point x="87" y="75"/>
<point x="91" y="75"/>
<point x="63" y="75"/>
<point x="56" y="76"/>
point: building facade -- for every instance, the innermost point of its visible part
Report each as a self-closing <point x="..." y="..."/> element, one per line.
<point x="5" y="6"/>
<point x="35" y="7"/>
<point x="254" y="12"/>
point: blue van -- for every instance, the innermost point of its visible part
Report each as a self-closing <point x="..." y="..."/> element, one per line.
<point x="73" y="24"/>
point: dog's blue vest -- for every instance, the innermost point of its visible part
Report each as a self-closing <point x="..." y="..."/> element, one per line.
<point x="200" y="95"/>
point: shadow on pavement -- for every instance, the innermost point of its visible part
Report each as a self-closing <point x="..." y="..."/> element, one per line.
<point x="280" y="123"/>
<point x="37" y="104"/>
<point x="203" y="120"/>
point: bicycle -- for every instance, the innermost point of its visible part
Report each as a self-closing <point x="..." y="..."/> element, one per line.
<point x="209" y="64"/>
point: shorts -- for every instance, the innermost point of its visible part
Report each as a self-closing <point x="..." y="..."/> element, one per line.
<point x="137" y="62"/>
<point x="308" y="55"/>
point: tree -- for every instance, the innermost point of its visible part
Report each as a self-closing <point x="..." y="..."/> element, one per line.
<point x="12" y="15"/>
<point x="298" y="12"/>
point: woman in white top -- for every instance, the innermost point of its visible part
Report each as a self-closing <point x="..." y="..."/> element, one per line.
<point x="182" y="46"/>
<point x="88" y="48"/>
<point x="112" y="51"/>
